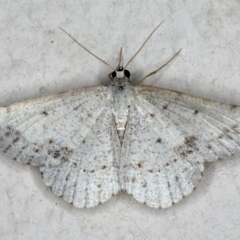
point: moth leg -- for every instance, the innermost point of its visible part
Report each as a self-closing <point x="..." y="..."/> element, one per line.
<point x="110" y="76"/>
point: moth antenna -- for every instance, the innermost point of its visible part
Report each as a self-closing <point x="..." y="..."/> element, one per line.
<point x="87" y="49"/>
<point x="165" y="64"/>
<point x="120" y="58"/>
<point x="144" y="43"/>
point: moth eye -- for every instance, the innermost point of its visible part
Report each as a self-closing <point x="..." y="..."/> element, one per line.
<point x="113" y="74"/>
<point x="127" y="73"/>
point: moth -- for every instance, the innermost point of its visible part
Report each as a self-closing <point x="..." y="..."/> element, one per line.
<point x="93" y="142"/>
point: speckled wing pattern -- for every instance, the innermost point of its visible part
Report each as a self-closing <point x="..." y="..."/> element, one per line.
<point x="72" y="138"/>
<point x="168" y="138"/>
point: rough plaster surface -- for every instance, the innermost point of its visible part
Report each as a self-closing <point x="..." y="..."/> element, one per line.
<point x="37" y="59"/>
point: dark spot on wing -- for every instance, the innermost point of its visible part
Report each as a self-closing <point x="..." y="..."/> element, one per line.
<point x="50" y="141"/>
<point x="66" y="150"/>
<point x="139" y="165"/>
<point x="221" y="136"/>
<point x="56" y="154"/>
<point x="176" y="178"/>
<point x="83" y="141"/>
<point x="195" y="112"/>
<point x="99" y="185"/>
<point x="159" y="140"/>
<point x="165" y="106"/>
<point x="152" y="114"/>
<point x="233" y="107"/>
<point x="226" y="130"/>
<point x="190" y="141"/>
<point x="16" y="140"/>
<point x="7" y="134"/>
<point x="74" y="165"/>
<point x="45" y="113"/>
<point x="182" y="151"/>
<point x="183" y="154"/>
<point x="188" y="147"/>
<point x="133" y="179"/>
<point x="104" y="167"/>
<point x="7" y="148"/>
<point x="76" y="108"/>
<point x="89" y="115"/>
<point x="63" y="159"/>
<point x="235" y="126"/>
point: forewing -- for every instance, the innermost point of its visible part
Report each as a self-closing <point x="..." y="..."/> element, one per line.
<point x="72" y="138"/>
<point x="168" y="139"/>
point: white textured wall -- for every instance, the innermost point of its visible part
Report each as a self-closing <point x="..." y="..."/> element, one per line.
<point x="37" y="58"/>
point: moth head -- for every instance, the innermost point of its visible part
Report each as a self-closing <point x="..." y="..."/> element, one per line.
<point x="120" y="73"/>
